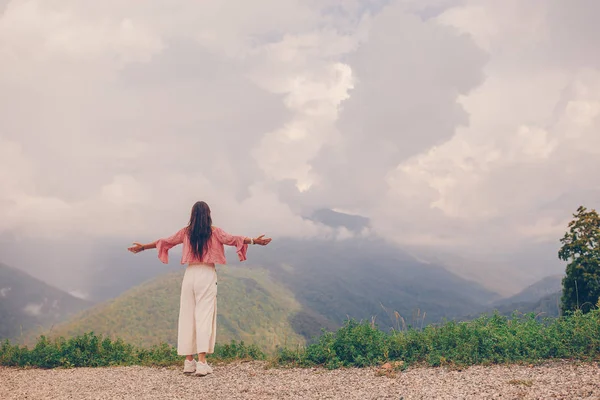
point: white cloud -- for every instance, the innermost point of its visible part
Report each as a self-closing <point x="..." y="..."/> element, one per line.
<point x="451" y="124"/>
<point x="33" y="309"/>
<point x="403" y="101"/>
<point x="504" y="178"/>
<point x="79" y="294"/>
<point x="4" y="291"/>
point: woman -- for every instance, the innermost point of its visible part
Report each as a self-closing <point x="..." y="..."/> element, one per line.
<point x="202" y="249"/>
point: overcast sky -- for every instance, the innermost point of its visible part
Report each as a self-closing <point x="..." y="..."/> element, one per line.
<point x="454" y="126"/>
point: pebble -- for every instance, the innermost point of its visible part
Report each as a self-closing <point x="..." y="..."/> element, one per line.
<point x="253" y="380"/>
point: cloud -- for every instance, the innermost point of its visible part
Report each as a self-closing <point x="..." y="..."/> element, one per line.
<point x="403" y="101"/>
<point x="450" y="124"/>
<point x="130" y="117"/>
<point x="33" y="309"/>
<point x="80" y="294"/>
<point x="518" y="170"/>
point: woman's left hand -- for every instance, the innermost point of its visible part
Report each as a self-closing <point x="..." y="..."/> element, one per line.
<point x="262" y="241"/>
<point x="136" y="248"/>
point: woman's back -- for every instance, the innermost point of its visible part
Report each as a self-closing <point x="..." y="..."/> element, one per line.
<point x="214" y="250"/>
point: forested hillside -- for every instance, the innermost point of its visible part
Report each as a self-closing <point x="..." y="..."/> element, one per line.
<point x="251" y="307"/>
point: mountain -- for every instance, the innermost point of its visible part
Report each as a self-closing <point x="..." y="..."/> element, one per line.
<point x="28" y="304"/>
<point x="547" y="306"/>
<point x="541" y="298"/>
<point x="251" y="307"/>
<point x="307" y="284"/>
<point x="365" y="278"/>
<point x="288" y="292"/>
<point x="533" y="293"/>
<point x="504" y="272"/>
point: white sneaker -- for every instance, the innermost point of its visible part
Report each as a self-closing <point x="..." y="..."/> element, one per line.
<point x="189" y="367"/>
<point x="203" y="369"/>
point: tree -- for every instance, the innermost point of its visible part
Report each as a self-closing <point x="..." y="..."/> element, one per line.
<point x="581" y="248"/>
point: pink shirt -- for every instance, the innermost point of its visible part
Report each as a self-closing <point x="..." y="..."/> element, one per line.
<point x="214" y="252"/>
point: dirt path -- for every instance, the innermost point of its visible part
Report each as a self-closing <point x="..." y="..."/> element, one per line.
<point x="253" y="381"/>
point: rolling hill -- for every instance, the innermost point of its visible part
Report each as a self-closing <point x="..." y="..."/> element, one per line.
<point x="251" y="307"/>
<point x="28" y="304"/>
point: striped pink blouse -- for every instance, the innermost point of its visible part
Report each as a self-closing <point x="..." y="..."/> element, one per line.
<point x="215" y="250"/>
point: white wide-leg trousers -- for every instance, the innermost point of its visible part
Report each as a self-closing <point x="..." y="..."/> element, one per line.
<point x="198" y="310"/>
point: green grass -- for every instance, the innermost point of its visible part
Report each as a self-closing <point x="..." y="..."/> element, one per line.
<point x="486" y="340"/>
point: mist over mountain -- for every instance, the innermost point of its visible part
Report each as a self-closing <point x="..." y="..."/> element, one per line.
<point x="312" y="285"/>
<point x="507" y="273"/>
<point x="287" y="294"/>
<point x="301" y="286"/>
<point x="546" y="306"/>
<point x="28" y="304"/>
<point x="541" y="298"/>
<point x="332" y="279"/>
<point x="368" y="277"/>
<point x="93" y="269"/>
<point x="102" y="269"/>
<point x="549" y="285"/>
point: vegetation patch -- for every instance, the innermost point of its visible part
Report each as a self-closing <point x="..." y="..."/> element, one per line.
<point x="485" y="340"/>
<point x="91" y="350"/>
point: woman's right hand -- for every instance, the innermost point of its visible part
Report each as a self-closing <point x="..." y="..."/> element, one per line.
<point x="262" y="241"/>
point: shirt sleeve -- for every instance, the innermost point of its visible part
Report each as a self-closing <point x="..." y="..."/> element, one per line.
<point x="231" y="240"/>
<point x="163" y="245"/>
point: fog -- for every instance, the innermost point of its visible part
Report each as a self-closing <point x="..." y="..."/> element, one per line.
<point x="465" y="131"/>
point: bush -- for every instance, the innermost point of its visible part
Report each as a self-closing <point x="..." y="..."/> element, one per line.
<point x="486" y="340"/>
<point x="237" y="351"/>
<point x="89" y="350"/>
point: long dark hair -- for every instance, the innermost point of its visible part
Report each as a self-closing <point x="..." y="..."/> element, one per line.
<point x="199" y="228"/>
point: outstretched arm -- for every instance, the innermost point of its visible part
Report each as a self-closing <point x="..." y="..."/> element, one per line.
<point x="239" y="242"/>
<point x="137" y="247"/>
<point x="162" y="245"/>
<point x="234" y="240"/>
<point x="260" y="240"/>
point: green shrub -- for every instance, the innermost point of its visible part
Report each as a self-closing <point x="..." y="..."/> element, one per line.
<point x="89" y="350"/>
<point x="237" y="351"/>
<point x="486" y="340"/>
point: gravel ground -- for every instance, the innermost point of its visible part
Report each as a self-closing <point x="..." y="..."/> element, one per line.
<point x="560" y="380"/>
